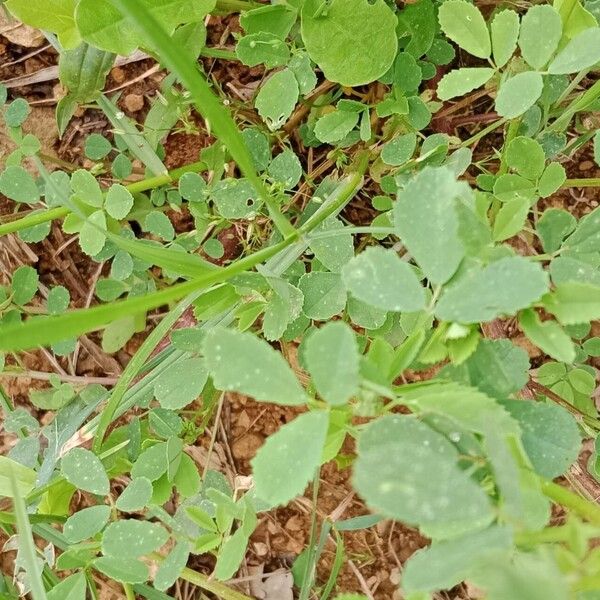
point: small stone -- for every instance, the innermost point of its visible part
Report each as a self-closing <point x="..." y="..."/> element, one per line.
<point x="294" y="523"/>
<point x="260" y="549"/>
<point x="246" y="447"/>
<point x="118" y="75"/>
<point x="133" y="102"/>
<point x="586" y="165"/>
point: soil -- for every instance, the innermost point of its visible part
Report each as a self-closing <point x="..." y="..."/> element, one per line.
<point x="375" y="556"/>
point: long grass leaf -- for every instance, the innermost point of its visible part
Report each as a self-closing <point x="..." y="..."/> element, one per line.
<point x="206" y="102"/>
<point x="26" y="545"/>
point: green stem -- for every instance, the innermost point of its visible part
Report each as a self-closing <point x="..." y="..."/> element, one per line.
<point x="60" y="211"/>
<point x="483" y="133"/>
<point x="128" y="591"/>
<point x="219" y="53"/>
<point x="581" y="183"/>
<point x="513" y="129"/>
<point x="561" y="495"/>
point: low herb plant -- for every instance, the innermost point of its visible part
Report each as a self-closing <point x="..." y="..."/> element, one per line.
<point x="451" y="429"/>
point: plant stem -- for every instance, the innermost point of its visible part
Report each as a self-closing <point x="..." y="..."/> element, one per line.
<point x="128" y="591"/>
<point x="513" y="129"/>
<point x="483" y="133"/>
<point x="580" y="103"/>
<point x="581" y="183"/>
<point x="219" y="53"/>
<point x="561" y="495"/>
<point x="61" y="211"/>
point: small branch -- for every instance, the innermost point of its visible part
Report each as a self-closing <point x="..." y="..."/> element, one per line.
<point x="76" y="379"/>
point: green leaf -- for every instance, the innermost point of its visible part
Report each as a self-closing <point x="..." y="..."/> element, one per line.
<point x="549" y="336"/>
<point x="397" y="455"/>
<point x="103" y="26"/>
<point x="324" y="295"/>
<point x="187" y="479"/>
<point x="289" y="458"/>
<point x="302" y="68"/>
<point x="181" y="384"/>
<point x="24" y="477"/>
<point x="262" y="48"/>
<point x="286" y="169"/>
<point x="574" y="302"/>
<point x="334" y="251"/>
<point x="541" y="30"/>
<point x="511" y="218"/>
<point x="364" y="45"/>
<point x="551" y="180"/>
<point x="58" y="300"/>
<point x="151" y="463"/>
<point x="260" y="372"/>
<point x="501" y="288"/>
<point x="231" y="554"/>
<point x="171" y="567"/>
<point x="399" y="150"/>
<point x="276" y="19"/>
<point x="427" y="224"/>
<point x="335" y="126"/>
<point x="86" y="188"/>
<point x="550" y="435"/>
<point x="56" y="16"/>
<point x="526" y="157"/>
<point x="24" y="284"/>
<point x="86" y="523"/>
<point x="277" y="98"/>
<point x="119" y="201"/>
<point x="122" y="568"/>
<point x="16" y="112"/>
<point x="84" y="470"/>
<point x="553" y="226"/>
<point x="192" y="187"/>
<point x="71" y="588"/>
<point x="462" y="81"/>
<point x="18" y="185"/>
<point x="97" y="146"/>
<point x="92" y="236"/>
<point x="158" y="224"/>
<point x="332" y="360"/>
<point x="497" y="367"/>
<point x="138" y="537"/>
<point x="381" y="279"/>
<point x="581" y="53"/>
<point x="117" y="334"/>
<point x="447" y="563"/>
<point x="136" y="495"/>
<point x="518" y="94"/>
<point x="464" y="24"/>
<point x="505" y="32"/>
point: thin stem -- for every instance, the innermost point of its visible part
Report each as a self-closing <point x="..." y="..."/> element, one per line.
<point x="565" y="497"/>
<point x="75" y="379"/>
<point x="581" y="183"/>
<point x="128" y="591"/>
<point x="483" y="132"/>
<point x="581" y="102"/>
<point x="136" y="187"/>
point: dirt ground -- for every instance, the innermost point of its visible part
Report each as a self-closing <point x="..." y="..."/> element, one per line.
<point x="375" y="556"/>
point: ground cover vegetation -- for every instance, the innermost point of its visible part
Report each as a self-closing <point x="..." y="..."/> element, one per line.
<point x="437" y="343"/>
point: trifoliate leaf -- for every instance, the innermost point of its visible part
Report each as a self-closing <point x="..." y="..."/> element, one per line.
<point x="123" y="569"/>
<point x="549" y="336"/>
<point x="277" y="98"/>
<point x="84" y="470"/>
<point x="427" y="224"/>
<point x="505" y="32"/>
<point x="551" y="180"/>
<point x="138" y="537"/>
<point x="86" y="523"/>
<point x="24" y="284"/>
<point x="136" y="495"/>
<point x="364" y="45"/>
<point x="541" y="30"/>
<point x="464" y="24"/>
<point x="332" y="360"/>
<point x="526" y="157"/>
<point x="550" y="435"/>
<point x="119" y="201"/>
<point x="181" y="384"/>
<point x="574" y="302"/>
<point x="92" y="236"/>
<point x="381" y="279"/>
<point x="18" y="185"/>
<point x="399" y="150"/>
<point x="260" y="371"/>
<point x="581" y="53"/>
<point x="324" y="295"/>
<point x="289" y="458"/>
<point x="518" y="94"/>
<point x="396" y="456"/>
<point x="462" y="81"/>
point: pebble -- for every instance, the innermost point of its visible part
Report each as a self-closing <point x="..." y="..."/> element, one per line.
<point x="586" y="165"/>
<point x="133" y="102"/>
<point x="118" y="75"/>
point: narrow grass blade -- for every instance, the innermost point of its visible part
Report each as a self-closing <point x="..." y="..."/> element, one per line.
<point x="26" y="544"/>
<point x="205" y="100"/>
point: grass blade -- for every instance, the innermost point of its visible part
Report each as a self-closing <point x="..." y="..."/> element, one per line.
<point x="206" y="102"/>
<point x="26" y="544"/>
